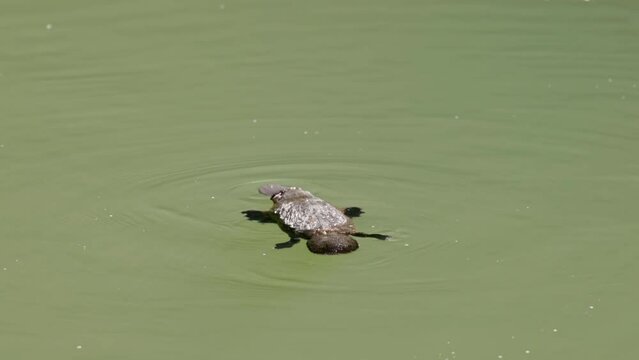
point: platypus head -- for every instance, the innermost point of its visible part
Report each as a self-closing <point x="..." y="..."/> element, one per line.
<point x="272" y="189"/>
<point x="281" y="193"/>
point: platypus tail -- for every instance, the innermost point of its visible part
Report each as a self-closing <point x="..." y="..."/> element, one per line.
<point x="331" y="243"/>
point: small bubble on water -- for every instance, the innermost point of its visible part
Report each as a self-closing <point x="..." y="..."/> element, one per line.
<point x="110" y="215"/>
<point x="555" y="330"/>
<point x="212" y="197"/>
<point x="406" y="244"/>
<point x="305" y="132"/>
<point x="527" y="351"/>
<point x="4" y="269"/>
<point x="456" y="117"/>
<point x="263" y="254"/>
<point x="49" y="26"/>
<point x="500" y="356"/>
<point x="591" y="307"/>
<point x="79" y="347"/>
<point x="254" y="121"/>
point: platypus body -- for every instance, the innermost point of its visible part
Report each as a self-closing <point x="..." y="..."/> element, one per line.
<point x="303" y="215"/>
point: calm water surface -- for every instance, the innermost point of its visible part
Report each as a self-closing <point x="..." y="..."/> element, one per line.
<point x="495" y="141"/>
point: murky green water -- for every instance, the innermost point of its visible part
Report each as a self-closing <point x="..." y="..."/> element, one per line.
<point x="496" y="141"/>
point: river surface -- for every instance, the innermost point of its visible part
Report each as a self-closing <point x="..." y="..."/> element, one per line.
<point x="495" y="141"/>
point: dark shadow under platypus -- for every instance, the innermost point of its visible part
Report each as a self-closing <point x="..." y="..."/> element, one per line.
<point x="303" y="215"/>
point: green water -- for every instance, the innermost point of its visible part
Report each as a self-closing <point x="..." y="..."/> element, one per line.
<point x="495" y="141"/>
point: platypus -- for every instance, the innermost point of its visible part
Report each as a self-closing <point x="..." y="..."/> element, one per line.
<point x="303" y="215"/>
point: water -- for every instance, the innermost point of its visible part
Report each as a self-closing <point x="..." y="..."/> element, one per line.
<point x="495" y="141"/>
